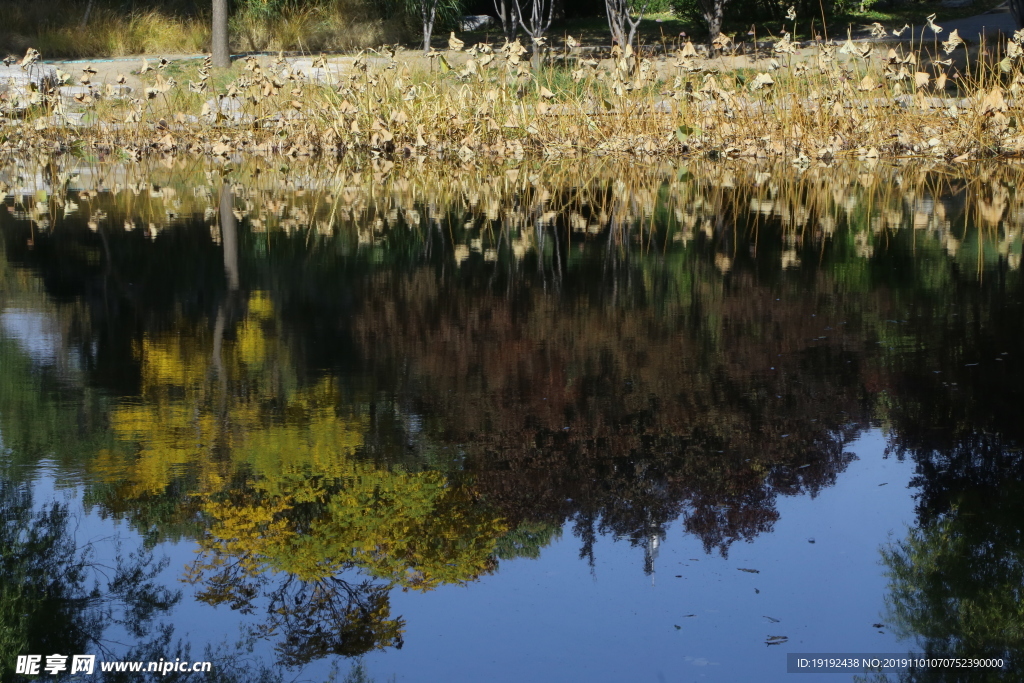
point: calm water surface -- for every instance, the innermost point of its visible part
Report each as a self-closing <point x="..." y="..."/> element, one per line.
<point x="540" y="424"/>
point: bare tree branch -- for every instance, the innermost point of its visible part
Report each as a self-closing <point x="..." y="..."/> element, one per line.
<point x="536" y="23"/>
<point x="509" y="15"/>
<point x="619" y="18"/>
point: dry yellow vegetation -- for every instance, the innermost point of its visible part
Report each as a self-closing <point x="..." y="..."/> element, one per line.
<point x="807" y="105"/>
<point x="65" y="29"/>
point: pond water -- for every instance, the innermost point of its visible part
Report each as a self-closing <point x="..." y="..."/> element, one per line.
<point x="550" y="423"/>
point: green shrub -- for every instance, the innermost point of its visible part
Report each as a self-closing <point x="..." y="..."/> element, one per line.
<point x="754" y="11"/>
<point x="658" y="6"/>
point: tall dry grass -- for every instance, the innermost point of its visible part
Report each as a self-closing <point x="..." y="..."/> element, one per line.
<point x="54" y="27"/>
<point x="327" y="26"/>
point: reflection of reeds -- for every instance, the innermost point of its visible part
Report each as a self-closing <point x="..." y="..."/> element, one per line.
<point x="540" y="207"/>
<point x="858" y="100"/>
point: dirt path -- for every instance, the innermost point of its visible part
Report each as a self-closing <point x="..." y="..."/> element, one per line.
<point x="990" y="24"/>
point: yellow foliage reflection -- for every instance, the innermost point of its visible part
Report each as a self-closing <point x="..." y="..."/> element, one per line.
<point x="412" y="530"/>
<point x="273" y="467"/>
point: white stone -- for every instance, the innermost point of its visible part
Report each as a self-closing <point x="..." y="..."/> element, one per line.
<point x="475" y="22"/>
<point x="36" y="74"/>
<point x="17" y="84"/>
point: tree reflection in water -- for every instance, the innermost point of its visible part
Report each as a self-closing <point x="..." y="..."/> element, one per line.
<point x="956" y="580"/>
<point x="401" y="381"/>
<point x="57" y="598"/>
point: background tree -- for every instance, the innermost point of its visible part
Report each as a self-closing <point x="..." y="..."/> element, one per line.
<point x="536" y="21"/>
<point x="85" y="17"/>
<point x="431" y="14"/>
<point x="619" y="18"/>
<point x="221" y="54"/>
<point x="428" y="14"/>
<point x="1017" y="9"/>
<point x="508" y="14"/>
<point x="712" y="11"/>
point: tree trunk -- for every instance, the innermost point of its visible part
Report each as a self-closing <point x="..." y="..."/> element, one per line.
<point x="713" y="11"/>
<point x="634" y="25"/>
<point x="613" y="12"/>
<point x="535" y="24"/>
<point x="622" y="25"/>
<point x="229" y="245"/>
<point x="221" y="55"/>
<point x="632" y="35"/>
<point x="229" y="236"/>
<point x="85" y="17"/>
<point x="509" y="19"/>
<point x="428" y="10"/>
<point x="1017" y="10"/>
